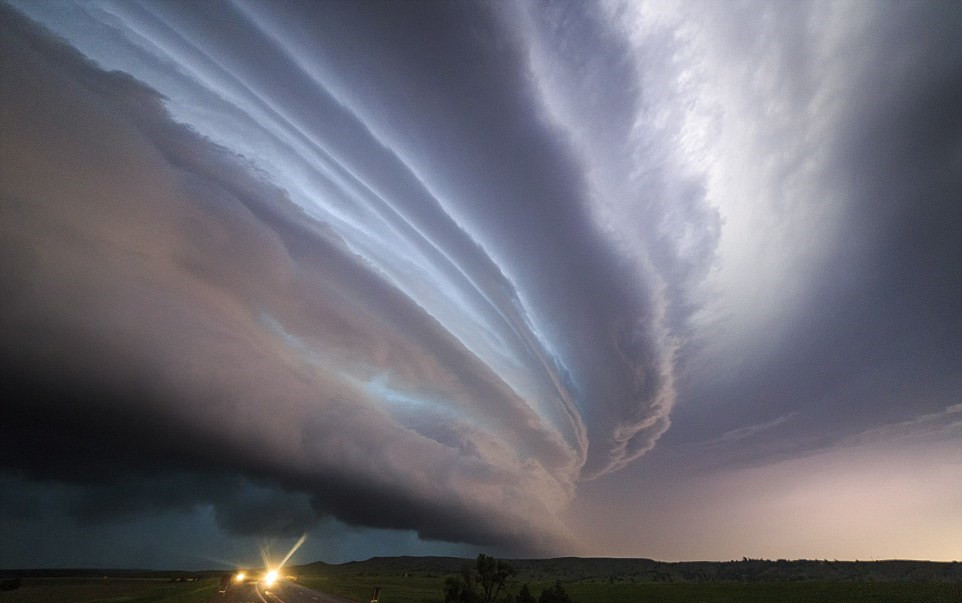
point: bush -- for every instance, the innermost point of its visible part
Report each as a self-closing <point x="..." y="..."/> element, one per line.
<point x="555" y="594"/>
<point x="483" y="585"/>
<point x="525" y="596"/>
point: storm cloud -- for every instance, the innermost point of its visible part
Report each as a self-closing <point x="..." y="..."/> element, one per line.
<point x="455" y="268"/>
<point x="171" y="307"/>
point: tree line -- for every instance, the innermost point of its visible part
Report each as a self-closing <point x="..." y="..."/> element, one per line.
<point x="489" y="579"/>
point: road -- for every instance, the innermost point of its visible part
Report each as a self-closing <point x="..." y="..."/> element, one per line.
<point x="282" y="591"/>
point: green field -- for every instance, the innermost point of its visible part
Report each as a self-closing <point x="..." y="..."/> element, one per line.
<point x="593" y="580"/>
<point x="421" y="589"/>
<point x="586" y="580"/>
<point x="395" y="589"/>
<point x="99" y="590"/>
<point x="767" y="592"/>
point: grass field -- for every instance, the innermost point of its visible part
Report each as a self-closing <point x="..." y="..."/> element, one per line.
<point x="421" y="580"/>
<point x="419" y="589"/>
<point x="396" y="589"/>
<point x="767" y="592"/>
<point x="98" y="590"/>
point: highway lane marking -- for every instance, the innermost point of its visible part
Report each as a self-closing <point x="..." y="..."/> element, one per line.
<point x="303" y="588"/>
<point x="258" y="591"/>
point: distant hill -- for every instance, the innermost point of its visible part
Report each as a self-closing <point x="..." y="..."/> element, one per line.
<point x="586" y="569"/>
<point x="593" y="569"/>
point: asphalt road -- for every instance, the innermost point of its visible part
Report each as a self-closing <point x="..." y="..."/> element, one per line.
<point x="281" y="592"/>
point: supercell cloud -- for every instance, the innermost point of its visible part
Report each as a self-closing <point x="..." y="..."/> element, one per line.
<point x="447" y="267"/>
<point x="296" y="260"/>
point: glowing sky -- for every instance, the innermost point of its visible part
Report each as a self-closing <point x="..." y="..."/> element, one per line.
<point x="672" y="280"/>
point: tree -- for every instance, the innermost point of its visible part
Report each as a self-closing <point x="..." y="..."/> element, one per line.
<point x="483" y="585"/>
<point x="460" y="589"/>
<point x="525" y="596"/>
<point x="554" y="594"/>
<point x="491" y="575"/>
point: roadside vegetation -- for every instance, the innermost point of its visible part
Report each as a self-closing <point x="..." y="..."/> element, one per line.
<point x="489" y="582"/>
<point x="449" y="580"/>
<point x="396" y="589"/>
<point x="565" y="580"/>
<point x="110" y="590"/>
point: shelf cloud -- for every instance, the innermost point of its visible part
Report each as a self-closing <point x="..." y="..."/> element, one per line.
<point x="455" y="268"/>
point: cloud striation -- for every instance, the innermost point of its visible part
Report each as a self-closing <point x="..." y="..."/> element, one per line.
<point x="451" y="268"/>
<point x="260" y="250"/>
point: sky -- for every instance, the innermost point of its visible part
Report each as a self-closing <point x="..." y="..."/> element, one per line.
<point x="675" y="280"/>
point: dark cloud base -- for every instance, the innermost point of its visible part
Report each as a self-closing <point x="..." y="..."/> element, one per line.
<point x="117" y="368"/>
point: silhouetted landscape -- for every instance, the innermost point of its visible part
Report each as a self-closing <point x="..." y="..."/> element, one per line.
<point x="411" y="282"/>
<point x="578" y="569"/>
<point x="583" y="580"/>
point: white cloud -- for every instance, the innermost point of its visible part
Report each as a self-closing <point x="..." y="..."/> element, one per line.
<point x="742" y="433"/>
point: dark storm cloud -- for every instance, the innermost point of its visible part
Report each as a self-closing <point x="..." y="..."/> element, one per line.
<point x="462" y="104"/>
<point x="423" y="304"/>
<point x="151" y="289"/>
<point x="438" y="319"/>
<point x="435" y="266"/>
<point x="267" y="511"/>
